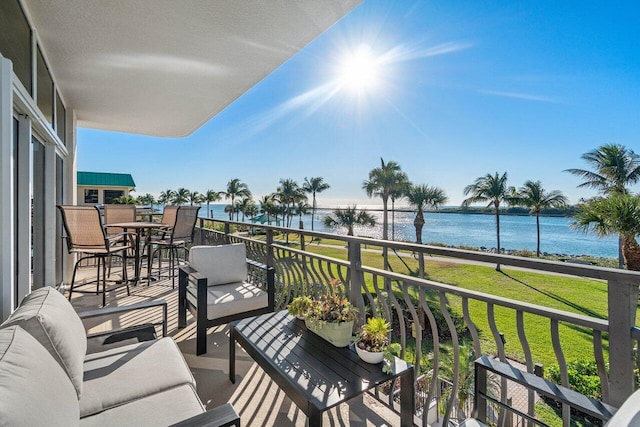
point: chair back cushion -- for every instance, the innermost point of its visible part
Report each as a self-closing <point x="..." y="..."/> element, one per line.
<point x="628" y="414"/>
<point x="34" y="390"/>
<point x="53" y="322"/>
<point x="220" y="264"/>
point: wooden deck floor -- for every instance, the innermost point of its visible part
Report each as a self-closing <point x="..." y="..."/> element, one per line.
<point x="257" y="399"/>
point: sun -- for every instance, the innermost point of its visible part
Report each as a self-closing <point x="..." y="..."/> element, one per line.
<point x="359" y="70"/>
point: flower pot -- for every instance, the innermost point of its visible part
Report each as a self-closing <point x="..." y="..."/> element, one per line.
<point x="368" y="356"/>
<point x="338" y="334"/>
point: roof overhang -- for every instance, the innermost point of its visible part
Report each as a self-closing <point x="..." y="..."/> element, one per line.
<point x="165" y="67"/>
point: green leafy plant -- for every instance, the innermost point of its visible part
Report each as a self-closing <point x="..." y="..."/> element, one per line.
<point x="332" y="308"/>
<point x="374" y="335"/>
<point x="583" y="377"/>
<point x="299" y="306"/>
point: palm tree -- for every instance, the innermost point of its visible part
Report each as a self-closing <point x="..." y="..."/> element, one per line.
<point x="267" y="206"/>
<point x="302" y="208"/>
<point x="615" y="214"/>
<point x="125" y="200"/>
<point x="245" y="205"/>
<point x="181" y="196"/>
<point x="420" y="197"/>
<point x="289" y="191"/>
<point x="166" y="197"/>
<point x="614" y="168"/>
<point x="533" y="196"/>
<point x="313" y="186"/>
<point x="147" y="199"/>
<point x="211" y="196"/>
<point x="195" y="198"/>
<point x="492" y="189"/>
<point x="349" y="218"/>
<point x="398" y="191"/>
<point x="236" y="188"/>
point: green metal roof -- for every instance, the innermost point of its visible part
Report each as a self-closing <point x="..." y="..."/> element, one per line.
<point x="106" y="179"/>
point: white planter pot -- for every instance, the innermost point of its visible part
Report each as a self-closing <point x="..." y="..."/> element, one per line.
<point x="369" y="356"/>
<point x="338" y="334"/>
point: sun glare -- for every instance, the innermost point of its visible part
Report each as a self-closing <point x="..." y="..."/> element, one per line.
<point x="359" y="70"/>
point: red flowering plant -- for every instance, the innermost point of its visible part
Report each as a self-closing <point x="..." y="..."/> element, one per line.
<point x="332" y="308"/>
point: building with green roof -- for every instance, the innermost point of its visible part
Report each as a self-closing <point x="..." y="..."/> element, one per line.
<point x="102" y="188"/>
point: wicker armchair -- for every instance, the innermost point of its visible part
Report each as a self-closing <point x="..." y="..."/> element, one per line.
<point x="86" y="237"/>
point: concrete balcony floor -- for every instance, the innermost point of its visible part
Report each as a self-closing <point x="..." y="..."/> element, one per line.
<point x="258" y="400"/>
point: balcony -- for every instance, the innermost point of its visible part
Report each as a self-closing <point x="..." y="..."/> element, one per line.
<point x="439" y="326"/>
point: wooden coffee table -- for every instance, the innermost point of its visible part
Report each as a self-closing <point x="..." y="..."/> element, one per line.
<point x="314" y="374"/>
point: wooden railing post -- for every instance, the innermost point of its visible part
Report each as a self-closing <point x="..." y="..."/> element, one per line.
<point x="227" y="232"/>
<point x="201" y="233"/>
<point x="356" y="276"/>
<point x="622" y="306"/>
<point x="270" y="257"/>
<point x="305" y="274"/>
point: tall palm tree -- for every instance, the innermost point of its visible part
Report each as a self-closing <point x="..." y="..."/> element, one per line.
<point x="533" y="196"/>
<point x="313" y="186"/>
<point x="195" y="198"/>
<point x="166" y="197"/>
<point x="492" y="189"/>
<point x="614" y="214"/>
<point x="381" y="183"/>
<point x="288" y="191"/>
<point x="267" y="206"/>
<point x="614" y="168"/>
<point x="302" y="208"/>
<point x="245" y="206"/>
<point x="421" y="197"/>
<point x="398" y="191"/>
<point x="349" y="217"/>
<point x="181" y="196"/>
<point x="147" y="199"/>
<point x="209" y="197"/>
<point x="236" y="188"/>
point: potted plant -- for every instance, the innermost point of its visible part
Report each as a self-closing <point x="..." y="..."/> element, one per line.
<point x="332" y="317"/>
<point x="299" y="306"/>
<point x="373" y="339"/>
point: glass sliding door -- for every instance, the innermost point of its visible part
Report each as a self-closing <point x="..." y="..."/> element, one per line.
<point x="38" y="188"/>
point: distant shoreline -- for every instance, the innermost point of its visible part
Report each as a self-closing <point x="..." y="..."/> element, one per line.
<point x="513" y="211"/>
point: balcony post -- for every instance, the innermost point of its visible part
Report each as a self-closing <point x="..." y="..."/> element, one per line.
<point x="270" y="258"/>
<point x="356" y="277"/>
<point x="622" y="305"/>
<point x="227" y="231"/>
<point x="303" y="248"/>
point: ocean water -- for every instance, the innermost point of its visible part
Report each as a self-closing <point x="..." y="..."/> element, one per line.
<point x="516" y="232"/>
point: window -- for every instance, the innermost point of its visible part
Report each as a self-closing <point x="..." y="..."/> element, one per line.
<point x="45" y="89"/>
<point x="91" y="196"/>
<point x="61" y="115"/>
<point x="110" y="195"/>
<point x="15" y="40"/>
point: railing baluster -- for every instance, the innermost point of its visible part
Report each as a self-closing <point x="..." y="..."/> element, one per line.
<point x="417" y="327"/>
<point x="473" y="330"/>
<point x="602" y="371"/>
<point x="500" y="346"/>
<point x="562" y="364"/>
<point x="456" y="357"/>
<point x="436" y="352"/>
<point x="528" y="360"/>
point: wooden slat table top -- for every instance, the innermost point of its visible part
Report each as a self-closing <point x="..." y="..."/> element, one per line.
<point x="309" y="369"/>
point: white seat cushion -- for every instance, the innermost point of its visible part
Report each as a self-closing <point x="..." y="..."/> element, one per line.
<point x="123" y="374"/>
<point x="47" y="315"/>
<point x="34" y="389"/>
<point x="629" y="413"/>
<point x="220" y="264"/>
<point x="234" y="298"/>
<point x="161" y="409"/>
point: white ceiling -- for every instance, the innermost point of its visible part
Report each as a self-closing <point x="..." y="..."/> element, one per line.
<point x="165" y="67"/>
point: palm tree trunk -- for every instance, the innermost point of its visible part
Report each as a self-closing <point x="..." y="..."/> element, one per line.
<point x="393" y="219"/>
<point x="385" y="233"/>
<point x="497" y="208"/>
<point x="620" y="251"/>
<point x="313" y="213"/>
<point x="538" y="231"/>
<point x="631" y="252"/>
<point x="418" y="223"/>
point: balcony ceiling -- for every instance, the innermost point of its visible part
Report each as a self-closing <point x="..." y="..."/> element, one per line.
<point x="165" y="67"/>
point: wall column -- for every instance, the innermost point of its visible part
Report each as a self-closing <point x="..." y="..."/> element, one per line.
<point x="7" y="235"/>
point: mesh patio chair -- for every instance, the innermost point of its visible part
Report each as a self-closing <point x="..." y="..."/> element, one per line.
<point x="86" y="237"/>
<point x="179" y="235"/>
<point x="114" y="214"/>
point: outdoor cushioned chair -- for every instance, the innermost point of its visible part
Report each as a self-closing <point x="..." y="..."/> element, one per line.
<point x="178" y="236"/>
<point x="220" y="285"/>
<point x="47" y="378"/>
<point x="113" y="214"/>
<point x="87" y="237"/>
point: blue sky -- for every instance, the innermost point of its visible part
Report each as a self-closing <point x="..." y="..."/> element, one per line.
<point x="449" y="90"/>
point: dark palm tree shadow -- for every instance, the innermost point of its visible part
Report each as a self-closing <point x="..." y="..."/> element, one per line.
<point x="558" y="298"/>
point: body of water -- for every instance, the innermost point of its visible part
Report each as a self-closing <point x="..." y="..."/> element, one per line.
<point x="516" y="232"/>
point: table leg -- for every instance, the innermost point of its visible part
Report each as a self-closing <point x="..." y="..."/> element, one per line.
<point x="314" y="418"/>
<point x="407" y="398"/>
<point x="232" y="354"/>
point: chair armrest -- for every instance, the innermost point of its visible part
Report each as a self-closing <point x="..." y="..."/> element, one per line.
<point x="127" y="308"/>
<point x="540" y="385"/>
<point x="222" y="416"/>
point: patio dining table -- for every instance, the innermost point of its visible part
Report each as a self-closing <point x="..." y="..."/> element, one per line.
<point x="139" y="227"/>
